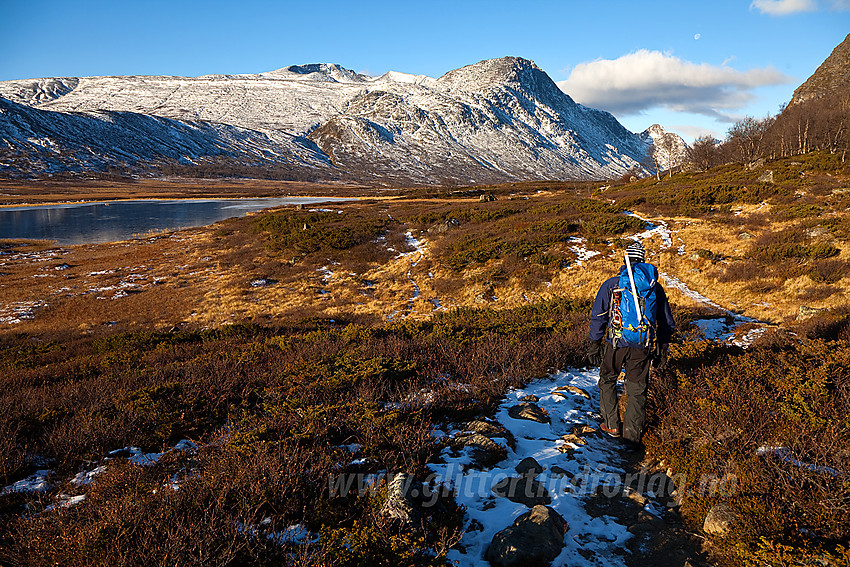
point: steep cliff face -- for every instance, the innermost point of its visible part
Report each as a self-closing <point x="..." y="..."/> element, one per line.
<point x="497" y="120"/>
<point x="832" y="77"/>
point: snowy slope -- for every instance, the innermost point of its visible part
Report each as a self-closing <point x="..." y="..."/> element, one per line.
<point x="39" y="141"/>
<point x="500" y="119"/>
<point x="670" y="149"/>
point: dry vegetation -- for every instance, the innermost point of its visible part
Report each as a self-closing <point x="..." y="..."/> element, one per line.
<point x="101" y="188"/>
<point x="274" y="410"/>
<point x="277" y="340"/>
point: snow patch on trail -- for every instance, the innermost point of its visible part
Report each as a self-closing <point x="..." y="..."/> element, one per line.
<point x="419" y="247"/>
<point x="580" y="249"/>
<point x="748" y="338"/>
<point x="595" y="464"/>
<point x="661" y="229"/>
<point x="719" y="329"/>
<point x="673" y="282"/>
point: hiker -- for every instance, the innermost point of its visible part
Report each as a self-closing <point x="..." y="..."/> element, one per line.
<point x="630" y="336"/>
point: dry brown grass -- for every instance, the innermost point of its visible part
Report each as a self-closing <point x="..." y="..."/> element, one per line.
<point x="19" y="192"/>
<point x="203" y="276"/>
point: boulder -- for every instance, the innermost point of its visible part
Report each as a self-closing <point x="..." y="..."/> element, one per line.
<point x="574" y="439"/>
<point x="567" y="449"/>
<point x="647" y="522"/>
<point x="485" y="451"/>
<point x="766" y="177"/>
<point x="560" y="472"/>
<point x="404" y="499"/>
<point x="527" y="410"/>
<point x="575" y="390"/>
<point x="444" y="226"/>
<point x="582" y="429"/>
<point x="535" y="538"/>
<point x="807" y="312"/>
<point x="636" y="497"/>
<point x="486" y="296"/>
<point x="522" y="490"/>
<point x="720" y="520"/>
<point x="486" y="428"/>
<point x="529" y="467"/>
<point x="529" y="398"/>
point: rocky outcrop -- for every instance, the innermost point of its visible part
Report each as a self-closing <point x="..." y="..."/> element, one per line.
<point x="484" y="451"/>
<point x="529" y="411"/>
<point x="720" y="520"/>
<point x="522" y="490"/>
<point x="573" y="390"/>
<point x="833" y="75"/>
<point x="487" y="428"/>
<point x="535" y="538"/>
<point x="807" y="312"/>
<point x="529" y="467"/>
<point x="405" y="495"/>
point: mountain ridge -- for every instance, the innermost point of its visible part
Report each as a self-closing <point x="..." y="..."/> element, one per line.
<point x="496" y="120"/>
<point x="831" y="76"/>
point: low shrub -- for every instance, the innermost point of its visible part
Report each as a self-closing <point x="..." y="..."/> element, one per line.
<point x="828" y="271"/>
<point x="275" y="411"/>
<point x="775" y="418"/>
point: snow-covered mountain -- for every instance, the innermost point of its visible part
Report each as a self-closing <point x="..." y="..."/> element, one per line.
<point x="500" y="119"/>
<point x="667" y="149"/>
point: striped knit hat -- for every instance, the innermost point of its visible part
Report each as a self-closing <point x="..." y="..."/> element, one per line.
<point x="636" y="252"/>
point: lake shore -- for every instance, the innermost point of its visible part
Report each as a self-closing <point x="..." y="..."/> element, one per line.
<point x="28" y="192"/>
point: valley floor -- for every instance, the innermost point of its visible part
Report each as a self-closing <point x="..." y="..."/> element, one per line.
<point x="206" y="278"/>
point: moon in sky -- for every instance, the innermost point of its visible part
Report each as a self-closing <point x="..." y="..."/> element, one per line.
<point x="696" y="36"/>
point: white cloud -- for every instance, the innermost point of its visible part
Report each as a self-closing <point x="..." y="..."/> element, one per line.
<point x="646" y="79"/>
<point x="783" y="7"/>
<point x="840" y="5"/>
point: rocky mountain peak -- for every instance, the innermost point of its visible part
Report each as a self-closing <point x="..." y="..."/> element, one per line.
<point x="669" y="149"/>
<point x="514" y="72"/>
<point x="497" y="120"/>
<point x="320" y="72"/>
<point x="831" y="77"/>
<point x="655" y="131"/>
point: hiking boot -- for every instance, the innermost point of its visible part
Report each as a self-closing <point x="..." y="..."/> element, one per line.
<point x="611" y="432"/>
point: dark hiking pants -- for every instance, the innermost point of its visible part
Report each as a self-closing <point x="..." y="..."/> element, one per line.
<point x="636" y="363"/>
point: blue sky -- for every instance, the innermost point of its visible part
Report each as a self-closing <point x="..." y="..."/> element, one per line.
<point x="692" y="67"/>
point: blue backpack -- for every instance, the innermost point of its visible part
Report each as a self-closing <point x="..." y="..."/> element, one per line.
<point x="625" y="327"/>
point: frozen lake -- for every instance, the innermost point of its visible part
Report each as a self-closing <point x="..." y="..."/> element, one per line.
<point x="85" y="223"/>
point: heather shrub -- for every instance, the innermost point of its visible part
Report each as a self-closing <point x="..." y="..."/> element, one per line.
<point x="828" y="271"/>
<point x="773" y="419"/>
<point x="744" y="270"/>
<point x="305" y="232"/>
<point x="274" y="411"/>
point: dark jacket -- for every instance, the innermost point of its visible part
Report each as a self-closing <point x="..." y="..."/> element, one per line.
<point x="599" y="313"/>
